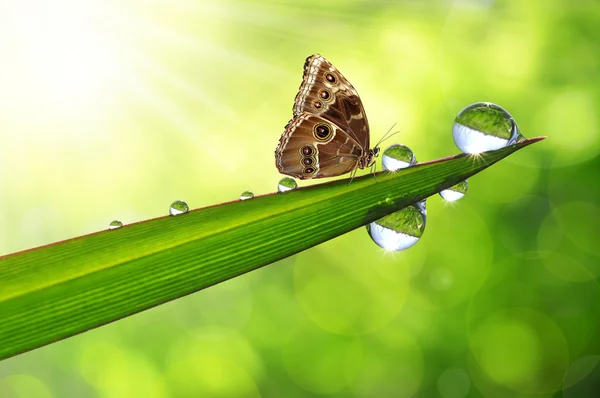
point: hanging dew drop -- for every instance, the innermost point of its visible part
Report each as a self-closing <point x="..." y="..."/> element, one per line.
<point x="178" y="207"/>
<point x="286" y="184"/>
<point x="246" y="195"/>
<point x="422" y="206"/>
<point x="484" y="126"/>
<point x="399" y="230"/>
<point x="397" y="157"/>
<point x="455" y="192"/>
<point x="115" y="224"/>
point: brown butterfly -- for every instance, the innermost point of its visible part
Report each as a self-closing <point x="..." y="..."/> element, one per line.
<point x="329" y="133"/>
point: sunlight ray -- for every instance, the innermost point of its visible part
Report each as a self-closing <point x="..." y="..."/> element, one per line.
<point x="213" y="104"/>
<point x="180" y="120"/>
<point x="200" y="46"/>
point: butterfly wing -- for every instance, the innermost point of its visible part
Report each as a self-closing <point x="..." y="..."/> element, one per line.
<point x="314" y="147"/>
<point x="325" y="92"/>
<point x="325" y="99"/>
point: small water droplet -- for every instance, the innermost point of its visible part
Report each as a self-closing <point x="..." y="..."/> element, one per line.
<point x="455" y="192"/>
<point x="178" y="207"/>
<point x="246" y="195"/>
<point x="484" y="126"/>
<point x="115" y="224"/>
<point x="286" y="184"/>
<point x="399" y="230"/>
<point x="397" y="157"/>
<point x="422" y="206"/>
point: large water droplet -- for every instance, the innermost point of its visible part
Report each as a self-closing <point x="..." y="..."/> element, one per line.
<point x="399" y="230"/>
<point x="397" y="157"/>
<point x="286" y="184"/>
<point x="455" y="192"/>
<point x="115" y="224"/>
<point x="246" y="195"/>
<point x="484" y="126"/>
<point x="178" y="207"/>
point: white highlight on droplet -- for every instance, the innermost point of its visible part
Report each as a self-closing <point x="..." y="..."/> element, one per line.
<point x="389" y="239"/>
<point x="451" y="195"/>
<point x="472" y="141"/>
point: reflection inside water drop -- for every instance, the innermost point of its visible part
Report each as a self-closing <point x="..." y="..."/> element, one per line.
<point x="246" y="195"/>
<point x="397" y="157"/>
<point x="484" y="126"/>
<point x="455" y="192"/>
<point x="399" y="230"/>
<point x="178" y="207"/>
<point x="115" y="224"/>
<point x="286" y="184"/>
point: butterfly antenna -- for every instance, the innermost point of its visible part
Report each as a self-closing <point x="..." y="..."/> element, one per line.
<point x="387" y="132"/>
<point x="386" y="136"/>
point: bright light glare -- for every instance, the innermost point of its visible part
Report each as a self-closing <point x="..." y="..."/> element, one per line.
<point x="58" y="57"/>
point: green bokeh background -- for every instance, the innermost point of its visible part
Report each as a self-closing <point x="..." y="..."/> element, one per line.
<point x="113" y="109"/>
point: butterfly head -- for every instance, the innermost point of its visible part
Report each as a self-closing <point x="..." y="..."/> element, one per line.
<point x="368" y="159"/>
<point x="375" y="152"/>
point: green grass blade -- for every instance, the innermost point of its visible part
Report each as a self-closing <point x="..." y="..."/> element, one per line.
<point x="56" y="291"/>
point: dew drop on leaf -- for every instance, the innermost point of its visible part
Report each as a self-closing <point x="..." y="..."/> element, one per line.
<point x="399" y="230"/>
<point x="455" y="192"/>
<point x="246" y="195"/>
<point x="286" y="184"/>
<point x="115" y="224"/>
<point x="484" y="126"/>
<point x="178" y="207"/>
<point x="397" y="157"/>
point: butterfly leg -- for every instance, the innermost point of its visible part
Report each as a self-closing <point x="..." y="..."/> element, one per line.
<point x="373" y="169"/>
<point x="352" y="175"/>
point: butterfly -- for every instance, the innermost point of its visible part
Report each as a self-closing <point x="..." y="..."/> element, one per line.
<point x="329" y="133"/>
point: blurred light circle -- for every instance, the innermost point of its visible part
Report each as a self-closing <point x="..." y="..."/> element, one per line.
<point x="210" y="376"/>
<point x="581" y="224"/>
<point x="508" y="181"/>
<point x="459" y="257"/>
<point x="491" y="53"/>
<point x="120" y="373"/>
<point x="23" y="386"/>
<point x="522" y="350"/>
<point x="570" y="121"/>
<point x="388" y="363"/>
<point x="218" y="342"/>
<point x="567" y="268"/>
<point x="454" y="383"/>
<point x="315" y="359"/>
<point x="550" y="234"/>
<point x="350" y="291"/>
<point x="441" y="278"/>
<point x="579" y="371"/>
<point x="227" y="304"/>
<point x="567" y="239"/>
<point x="524" y="281"/>
<point x="274" y="302"/>
<point x="577" y="183"/>
<point x="520" y="219"/>
<point x="213" y="362"/>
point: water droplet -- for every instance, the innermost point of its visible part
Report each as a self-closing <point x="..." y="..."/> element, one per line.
<point x="399" y="230"/>
<point x="115" y="224"/>
<point x="422" y="206"/>
<point x="286" y="184"/>
<point x="484" y="126"/>
<point x="178" y="207"/>
<point x="397" y="157"/>
<point x="246" y="195"/>
<point x="455" y="192"/>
